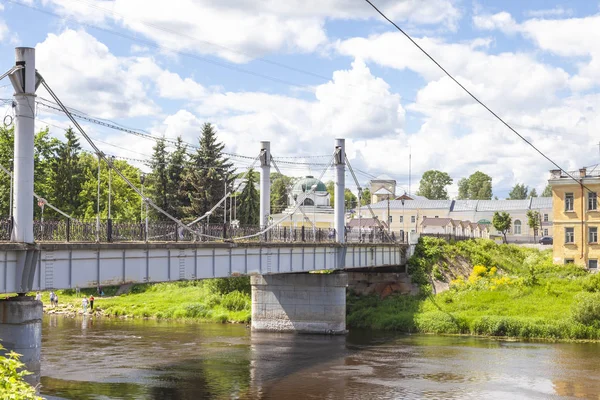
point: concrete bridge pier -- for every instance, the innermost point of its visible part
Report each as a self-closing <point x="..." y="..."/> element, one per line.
<point x="21" y="331"/>
<point x="299" y="303"/>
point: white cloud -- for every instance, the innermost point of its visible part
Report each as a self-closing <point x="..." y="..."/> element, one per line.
<point x="549" y="12"/>
<point x="85" y="74"/>
<point x="502" y="21"/>
<point x="242" y="30"/>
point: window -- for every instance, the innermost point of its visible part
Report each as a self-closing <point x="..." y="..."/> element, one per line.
<point x="413" y="219"/>
<point x="546" y="232"/>
<point x="517" y="227"/>
<point x="390" y="218"/>
<point x="569" y="261"/>
<point x="568" y="201"/>
<point x="437" y="216"/>
<point x="593" y="235"/>
<point x="592" y="201"/>
<point x="545" y="217"/>
<point x="593" y="264"/>
<point x="402" y="219"/>
<point x="569" y="235"/>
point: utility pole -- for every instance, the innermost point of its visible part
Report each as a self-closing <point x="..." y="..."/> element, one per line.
<point x="98" y="205"/>
<point x="112" y="160"/>
<point x="388" y="213"/>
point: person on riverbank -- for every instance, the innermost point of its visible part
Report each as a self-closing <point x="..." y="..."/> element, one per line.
<point x="38" y="296"/>
<point x="92" y="302"/>
<point x="55" y="300"/>
<point x="84" y="304"/>
<point x="52" y="299"/>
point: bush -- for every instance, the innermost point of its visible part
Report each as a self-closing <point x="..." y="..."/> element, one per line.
<point x="12" y="385"/>
<point x="235" y="301"/>
<point x="195" y="311"/>
<point x="228" y="285"/>
<point x="586" y="309"/>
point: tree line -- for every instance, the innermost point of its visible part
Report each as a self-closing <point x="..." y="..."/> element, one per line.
<point x="185" y="181"/>
<point x="478" y="186"/>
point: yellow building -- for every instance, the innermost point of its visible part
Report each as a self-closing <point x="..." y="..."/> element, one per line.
<point x="576" y="218"/>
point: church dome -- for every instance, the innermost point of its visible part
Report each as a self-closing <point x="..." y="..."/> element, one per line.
<point x="305" y="185"/>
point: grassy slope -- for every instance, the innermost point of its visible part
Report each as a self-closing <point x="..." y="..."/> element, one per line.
<point x="195" y="300"/>
<point x="528" y="297"/>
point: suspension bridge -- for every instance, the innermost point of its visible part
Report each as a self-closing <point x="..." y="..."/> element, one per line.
<point x="38" y="255"/>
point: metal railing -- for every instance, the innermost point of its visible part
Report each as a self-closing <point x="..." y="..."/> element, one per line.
<point x="111" y="231"/>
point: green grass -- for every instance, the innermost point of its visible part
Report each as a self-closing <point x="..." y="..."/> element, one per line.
<point x="205" y="301"/>
<point x="527" y="298"/>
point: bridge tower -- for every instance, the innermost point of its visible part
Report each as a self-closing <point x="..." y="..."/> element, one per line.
<point x="265" y="184"/>
<point x="340" y="186"/>
<point x="21" y="316"/>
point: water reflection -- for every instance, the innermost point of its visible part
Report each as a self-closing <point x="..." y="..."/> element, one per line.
<point x="86" y="358"/>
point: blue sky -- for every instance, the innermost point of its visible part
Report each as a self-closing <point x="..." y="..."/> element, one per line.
<point x="300" y="73"/>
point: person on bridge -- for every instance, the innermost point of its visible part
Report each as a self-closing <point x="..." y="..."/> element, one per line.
<point x="92" y="302"/>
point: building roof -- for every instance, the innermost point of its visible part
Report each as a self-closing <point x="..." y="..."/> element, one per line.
<point x="502" y="205"/>
<point x="411" y="197"/>
<point x="365" y="223"/>
<point x="383" y="190"/>
<point x="465" y="205"/>
<point x="436" y="221"/>
<point x="384" y="177"/>
<point x="305" y="185"/>
<point x="541" y="202"/>
<point x="412" y="204"/>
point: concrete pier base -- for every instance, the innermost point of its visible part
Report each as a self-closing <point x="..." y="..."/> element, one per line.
<point x="300" y="303"/>
<point x="21" y="331"/>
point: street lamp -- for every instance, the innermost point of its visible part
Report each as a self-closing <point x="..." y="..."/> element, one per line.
<point x="110" y="166"/>
<point x="142" y="179"/>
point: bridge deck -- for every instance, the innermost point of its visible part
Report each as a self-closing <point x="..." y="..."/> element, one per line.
<point x="68" y="265"/>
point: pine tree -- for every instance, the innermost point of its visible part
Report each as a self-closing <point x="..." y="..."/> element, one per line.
<point x="158" y="179"/>
<point x="547" y="191"/>
<point x="66" y="175"/>
<point x="176" y="197"/>
<point x="279" y="192"/>
<point x="249" y="202"/>
<point x="204" y="178"/>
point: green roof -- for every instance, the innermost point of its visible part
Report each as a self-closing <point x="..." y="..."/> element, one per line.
<point x="305" y="185"/>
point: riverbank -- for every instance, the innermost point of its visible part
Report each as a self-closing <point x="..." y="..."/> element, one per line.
<point x="216" y="300"/>
<point x="488" y="290"/>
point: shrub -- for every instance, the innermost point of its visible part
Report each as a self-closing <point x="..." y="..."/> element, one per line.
<point x="12" y="384"/>
<point x="437" y="274"/>
<point x="228" y="285"/>
<point x="212" y="300"/>
<point x="586" y="309"/>
<point x="235" y="301"/>
<point x="195" y="311"/>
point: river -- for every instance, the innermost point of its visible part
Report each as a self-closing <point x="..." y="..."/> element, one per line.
<point x="136" y="359"/>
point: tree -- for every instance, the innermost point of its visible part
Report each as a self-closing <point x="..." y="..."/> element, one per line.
<point x="125" y="203"/>
<point x="280" y="185"/>
<point x="547" y="191"/>
<point x="6" y="155"/>
<point x="177" y="199"/>
<point x="12" y="371"/>
<point x="533" y="193"/>
<point x="366" y="197"/>
<point x="66" y="175"/>
<point x="204" y="178"/>
<point x="433" y="185"/>
<point x="518" y="192"/>
<point x="533" y="220"/>
<point x="249" y="202"/>
<point x="350" y="199"/>
<point x="331" y="190"/>
<point x="159" y="178"/>
<point x="44" y="156"/>
<point x="502" y="222"/>
<point x="478" y="186"/>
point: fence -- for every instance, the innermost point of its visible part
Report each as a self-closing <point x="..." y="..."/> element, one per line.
<point x="160" y="231"/>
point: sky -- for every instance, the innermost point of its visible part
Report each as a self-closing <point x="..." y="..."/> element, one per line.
<point x="300" y="73"/>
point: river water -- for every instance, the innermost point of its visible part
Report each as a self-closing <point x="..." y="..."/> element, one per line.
<point x="134" y="359"/>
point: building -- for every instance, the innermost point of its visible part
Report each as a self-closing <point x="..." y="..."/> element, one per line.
<point x="408" y="215"/>
<point x="314" y="205"/>
<point x="576" y="217"/>
<point x="383" y="188"/>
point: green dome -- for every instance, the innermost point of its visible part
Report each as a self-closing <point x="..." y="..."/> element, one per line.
<point x="305" y="185"/>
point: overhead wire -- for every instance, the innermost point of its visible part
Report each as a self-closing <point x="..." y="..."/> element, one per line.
<point x="472" y="95"/>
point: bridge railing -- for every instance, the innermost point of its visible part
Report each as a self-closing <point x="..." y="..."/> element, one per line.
<point x="166" y="231"/>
